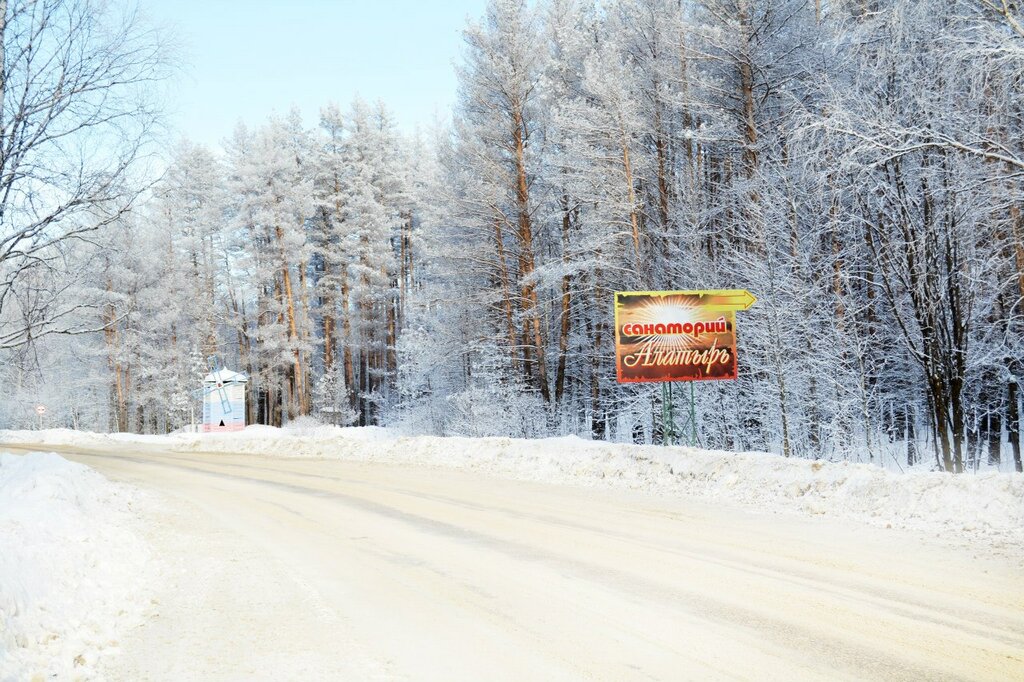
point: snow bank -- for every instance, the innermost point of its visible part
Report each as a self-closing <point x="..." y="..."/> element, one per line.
<point x="970" y="506"/>
<point x="71" y="567"/>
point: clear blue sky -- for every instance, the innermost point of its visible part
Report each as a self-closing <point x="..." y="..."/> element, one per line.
<point x="248" y="59"/>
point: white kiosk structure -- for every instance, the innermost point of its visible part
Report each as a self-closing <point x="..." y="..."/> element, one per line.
<point x="224" y="401"/>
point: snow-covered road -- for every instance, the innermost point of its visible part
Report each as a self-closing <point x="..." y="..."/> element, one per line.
<point x="298" y="569"/>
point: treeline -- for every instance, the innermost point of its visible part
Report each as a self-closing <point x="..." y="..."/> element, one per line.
<point x="858" y="165"/>
<point x="855" y="164"/>
<point x="290" y="259"/>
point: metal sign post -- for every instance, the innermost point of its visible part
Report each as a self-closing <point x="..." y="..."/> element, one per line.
<point x="668" y="425"/>
<point x="693" y="419"/>
<point x="668" y="418"/>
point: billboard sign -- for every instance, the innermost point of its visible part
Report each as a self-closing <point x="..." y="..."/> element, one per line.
<point x="677" y="335"/>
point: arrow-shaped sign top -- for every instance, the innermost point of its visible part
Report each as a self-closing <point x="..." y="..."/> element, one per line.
<point x="726" y="299"/>
<point x="710" y="299"/>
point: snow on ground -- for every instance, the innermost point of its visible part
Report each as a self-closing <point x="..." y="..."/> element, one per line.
<point x="72" y="567"/>
<point x="970" y="506"/>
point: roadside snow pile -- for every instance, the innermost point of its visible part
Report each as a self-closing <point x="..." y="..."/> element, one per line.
<point x="71" y="567"/>
<point x="978" y="505"/>
<point x="989" y="505"/>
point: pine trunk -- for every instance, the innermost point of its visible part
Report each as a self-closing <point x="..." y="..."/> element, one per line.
<point x="295" y="383"/>
<point x="506" y="294"/>
<point x="346" y="330"/>
<point x="634" y="221"/>
<point x="563" y="335"/>
<point x="531" y="307"/>
<point x="1013" y="423"/>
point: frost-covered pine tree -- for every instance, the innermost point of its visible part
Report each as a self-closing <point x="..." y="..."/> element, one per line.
<point x="271" y="194"/>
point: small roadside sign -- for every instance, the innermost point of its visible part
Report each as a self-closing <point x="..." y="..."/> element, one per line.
<point x="665" y="336"/>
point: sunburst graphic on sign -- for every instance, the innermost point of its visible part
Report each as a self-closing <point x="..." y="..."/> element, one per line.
<point x="666" y="311"/>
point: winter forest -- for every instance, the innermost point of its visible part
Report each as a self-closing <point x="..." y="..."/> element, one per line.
<point x="856" y="164"/>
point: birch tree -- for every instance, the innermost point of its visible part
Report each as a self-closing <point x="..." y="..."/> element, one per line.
<point x="75" y="119"/>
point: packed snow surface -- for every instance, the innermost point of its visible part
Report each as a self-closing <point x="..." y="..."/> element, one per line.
<point x="986" y="505"/>
<point x="71" y="567"/>
<point x="367" y="560"/>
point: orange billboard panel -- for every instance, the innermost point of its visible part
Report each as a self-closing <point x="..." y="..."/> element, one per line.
<point x="677" y="335"/>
